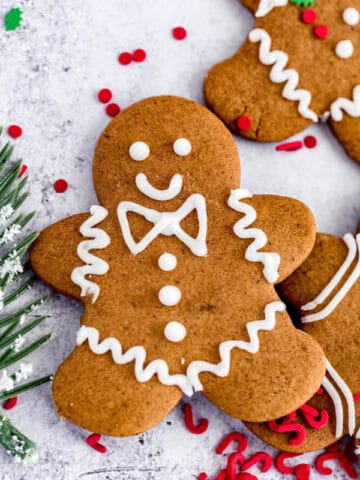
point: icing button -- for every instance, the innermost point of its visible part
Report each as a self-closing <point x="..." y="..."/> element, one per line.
<point x="170" y="295"/>
<point x="309" y="16"/>
<point x="344" y="49"/>
<point x="351" y="16"/>
<point x="175" y="332"/>
<point x="244" y="123"/>
<point x="167" y="262"/>
<point x="321" y="31"/>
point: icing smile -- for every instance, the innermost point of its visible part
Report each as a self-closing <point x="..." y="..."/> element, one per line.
<point x="169" y="193"/>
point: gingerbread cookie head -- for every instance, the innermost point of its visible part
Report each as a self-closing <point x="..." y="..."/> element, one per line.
<point x="298" y="66"/>
<point x="176" y="273"/>
<point x="325" y="291"/>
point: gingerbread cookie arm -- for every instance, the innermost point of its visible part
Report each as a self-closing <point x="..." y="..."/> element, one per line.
<point x="241" y="86"/>
<point x="53" y="255"/>
<point x="346" y="132"/>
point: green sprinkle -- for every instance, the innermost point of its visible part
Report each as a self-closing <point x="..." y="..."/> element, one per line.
<point x="13" y="19"/>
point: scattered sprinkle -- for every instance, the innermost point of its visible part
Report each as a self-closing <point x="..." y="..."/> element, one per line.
<point x="125" y="58"/>
<point x="139" y="55"/>
<point x="356" y="397"/>
<point x="11" y="403"/>
<point x="290" y="146"/>
<point x="22" y="170"/>
<point x="61" y="185"/>
<point x="244" y="123"/>
<point x="13" y="19"/>
<point x="303" y="471"/>
<point x="325" y="457"/>
<point x="93" y="442"/>
<point x="320" y="391"/>
<point x="112" y="109"/>
<point x="105" y="95"/>
<point x="179" y="33"/>
<point x="189" y="421"/>
<point x="280" y="462"/>
<point x="229" y="439"/>
<point x="14" y="131"/>
<point x="202" y="476"/>
<point x="259" y="457"/>
<point x="321" y="31"/>
<point x="309" y="16"/>
<point x="310" y="141"/>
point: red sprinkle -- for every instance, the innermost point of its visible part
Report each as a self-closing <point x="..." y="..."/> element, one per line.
<point x="259" y="457"/>
<point x="299" y="430"/>
<point x="93" y="441"/>
<point x="303" y="471"/>
<point x="229" y="439"/>
<point x="189" y="421"/>
<point x="112" y="109"/>
<point x="321" y="390"/>
<point x="23" y="170"/>
<point x="235" y="460"/>
<point x="348" y="467"/>
<point x="245" y="476"/>
<point x="125" y="58"/>
<point x="314" y="418"/>
<point x="202" y="476"/>
<point x="105" y="95"/>
<point x="290" y="146"/>
<point x="14" y="131"/>
<point x="309" y="16"/>
<point x="310" y="142"/>
<point x="244" y="123"/>
<point x="356" y="397"/>
<point x="11" y="403"/>
<point x="179" y="33"/>
<point x="60" y="186"/>
<point x="280" y="465"/>
<point x="321" y="31"/>
<point x="324" y="457"/>
<point x="139" y="55"/>
<point x="221" y="475"/>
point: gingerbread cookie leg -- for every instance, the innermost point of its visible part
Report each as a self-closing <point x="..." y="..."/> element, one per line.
<point x="348" y="133"/>
<point x="240" y="92"/>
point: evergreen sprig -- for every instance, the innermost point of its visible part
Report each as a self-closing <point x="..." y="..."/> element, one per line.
<point x="15" y="280"/>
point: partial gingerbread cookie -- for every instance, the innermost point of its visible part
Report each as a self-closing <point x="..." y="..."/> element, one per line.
<point x="325" y="291"/>
<point x="176" y="273"/>
<point x="300" y="65"/>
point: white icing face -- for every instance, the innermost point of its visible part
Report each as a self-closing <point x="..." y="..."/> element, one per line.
<point x="175" y="332"/>
<point x="170" y="295"/>
<point x="139" y="151"/>
<point x="351" y="16"/>
<point x="167" y="262"/>
<point x="182" y="147"/>
<point x="344" y="49"/>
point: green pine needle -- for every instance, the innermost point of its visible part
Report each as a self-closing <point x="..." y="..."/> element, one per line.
<point x="16" y="443"/>
<point x="16" y="357"/>
<point x="24" y="388"/>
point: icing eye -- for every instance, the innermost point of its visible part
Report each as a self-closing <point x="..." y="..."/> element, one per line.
<point x="351" y="16"/>
<point x="182" y="147"/>
<point x="139" y="151"/>
<point x="344" y="49"/>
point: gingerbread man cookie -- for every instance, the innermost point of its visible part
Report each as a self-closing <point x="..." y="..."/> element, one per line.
<point x="300" y="65"/>
<point x="325" y="292"/>
<point x="176" y="273"/>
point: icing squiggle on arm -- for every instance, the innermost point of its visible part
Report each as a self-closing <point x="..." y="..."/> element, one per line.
<point x="271" y="261"/>
<point x="278" y="74"/>
<point x="351" y="107"/>
<point x="266" y="6"/>
<point x="94" y="265"/>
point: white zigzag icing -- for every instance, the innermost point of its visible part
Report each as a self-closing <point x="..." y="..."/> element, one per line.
<point x="265" y="6"/>
<point x="278" y="74"/>
<point x="190" y="382"/>
<point x="351" y="107"/>
<point x="270" y="260"/>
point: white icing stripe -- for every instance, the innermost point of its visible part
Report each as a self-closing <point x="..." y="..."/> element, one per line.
<point x="271" y="261"/>
<point x="266" y="6"/>
<point x="339" y="410"/>
<point x="190" y="382"/>
<point x="351" y="107"/>
<point x="94" y="265"/>
<point x="169" y="193"/>
<point x="278" y="74"/>
<point x="340" y="295"/>
<point x="345" y="390"/>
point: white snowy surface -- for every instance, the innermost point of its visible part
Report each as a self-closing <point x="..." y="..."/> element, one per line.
<point x="50" y="72"/>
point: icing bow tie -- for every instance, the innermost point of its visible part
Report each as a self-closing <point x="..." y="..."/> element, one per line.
<point x="166" y="223"/>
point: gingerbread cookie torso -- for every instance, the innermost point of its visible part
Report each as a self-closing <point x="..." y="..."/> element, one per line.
<point x="176" y="272"/>
<point x="299" y="65"/>
<point x="325" y="291"/>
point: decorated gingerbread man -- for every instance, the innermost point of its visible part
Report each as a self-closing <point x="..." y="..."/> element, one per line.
<point x="176" y="273"/>
<point x="300" y="65"/>
<point x="325" y="291"/>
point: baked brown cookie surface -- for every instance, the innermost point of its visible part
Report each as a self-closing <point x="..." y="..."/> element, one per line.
<point x="176" y="272"/>
<point x="299" y="65"/>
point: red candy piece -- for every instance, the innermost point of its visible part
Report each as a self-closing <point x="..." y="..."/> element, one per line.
<point x="289" y="147"/>
<point x="112" y="109"/>
<point x="93" y="441"/>
<point x="321" y="31"/>
<point x="356" y="397"/>
<point x="221" y="475"/>
<point x="202" y="476"/>
<point x="125" y="58"/>
<point x="324" y="457"/>
<point x="310" y="142"/>
<point x="245" y="476"/>
<point x="244" y="123"/>
<point x="348" y="467"/>
<point x="60" y="186"/>
<point x="139" y="55"/>
<point x="235" y="460"/>
<point x="303" y="471"/>
<point x="321" y="390"/>
<point x="259" y="457"/>
<point x="314" y="418"/>
<point x="189" y="422"/>
<point x="11" y="403"/>
<point x="229" y="439"/>
<point x="309" y="16"/>
<point x="14" y="131"/>
<point x="280" y="465"/>
<point x="285" y="427"/>
<point x="105" y="95"/>
<point x="179" y="33"/>
<point x="22" y="170"/>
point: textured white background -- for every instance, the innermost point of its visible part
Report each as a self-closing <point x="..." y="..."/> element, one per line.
<point x="50" y="72"/>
